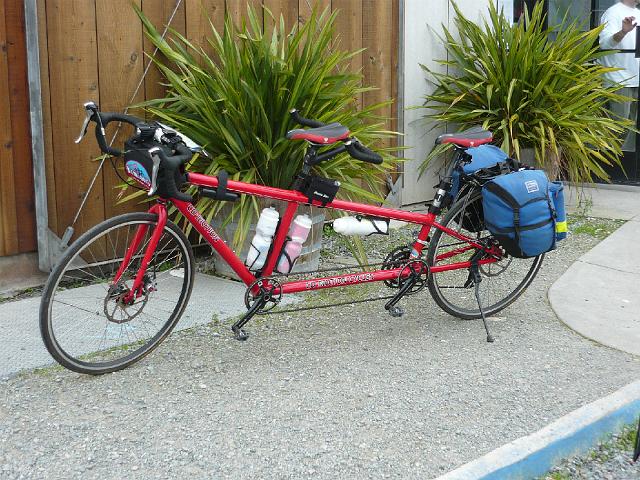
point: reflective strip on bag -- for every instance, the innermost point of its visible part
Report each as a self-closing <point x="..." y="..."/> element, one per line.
<point x="561" y="227"/>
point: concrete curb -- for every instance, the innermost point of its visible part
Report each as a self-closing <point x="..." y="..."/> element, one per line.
<point x="534" y="455"/>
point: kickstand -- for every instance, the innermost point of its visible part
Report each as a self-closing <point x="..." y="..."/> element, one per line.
<point x="476" y="278"/>
<point x="236" y="328"/>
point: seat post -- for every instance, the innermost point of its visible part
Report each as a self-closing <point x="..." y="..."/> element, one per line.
<point x="310" y="155"/>
<point x="445" y="182"/>
<point x="308" y="161"/>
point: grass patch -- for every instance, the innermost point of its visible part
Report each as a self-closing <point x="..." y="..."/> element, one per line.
<point x="559" y="476"/>
<point x="22" y="294"/>
<point x="45" y="372"/>
<point x="599" y="228"/>
<point x="622" y="442"/>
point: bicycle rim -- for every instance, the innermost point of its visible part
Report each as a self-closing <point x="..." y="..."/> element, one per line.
<point x="86" y="325"/>
<point x="502" y="282"/>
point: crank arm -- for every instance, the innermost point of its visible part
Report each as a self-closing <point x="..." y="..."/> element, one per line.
<point x="406" y="287"/>
<point x="236" y="328"/>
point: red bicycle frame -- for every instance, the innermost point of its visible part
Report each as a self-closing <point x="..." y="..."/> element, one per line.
<point x="293" y="198"/>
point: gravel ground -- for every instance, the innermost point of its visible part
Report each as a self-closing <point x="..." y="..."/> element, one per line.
<point x="338" y="393"/>
<point x="611" y="460"/>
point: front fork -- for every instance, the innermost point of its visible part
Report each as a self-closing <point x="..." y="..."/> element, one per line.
<point x="160" y="210"/>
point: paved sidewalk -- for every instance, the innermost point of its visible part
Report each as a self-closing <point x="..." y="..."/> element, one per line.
<point x="23" y="348"/>
<point x="604" y="201"/>
<point x="599" y="295"/>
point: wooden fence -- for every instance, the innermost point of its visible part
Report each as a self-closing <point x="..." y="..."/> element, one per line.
<point x="17" y="212"/>
<point x="94" y="50"/>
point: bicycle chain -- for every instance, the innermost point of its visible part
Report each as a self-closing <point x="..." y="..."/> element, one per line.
<point x="463" y="287"/>
<point x="390" y="284"/>
<point x="387" y="261"/>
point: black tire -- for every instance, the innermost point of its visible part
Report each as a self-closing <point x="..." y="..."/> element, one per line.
<point x="502" y="282"/>
<point x="81" y="283"/>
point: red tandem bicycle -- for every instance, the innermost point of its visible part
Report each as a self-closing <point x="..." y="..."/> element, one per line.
<point x="121" y="287"/>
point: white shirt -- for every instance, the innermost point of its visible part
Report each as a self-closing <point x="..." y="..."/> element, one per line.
<point x="612" y="19"/>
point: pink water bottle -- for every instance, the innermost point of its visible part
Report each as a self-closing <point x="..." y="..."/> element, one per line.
<point x="298" y="234"/>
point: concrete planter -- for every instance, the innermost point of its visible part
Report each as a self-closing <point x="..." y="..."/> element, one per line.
<point x="309" y="259"/>
<point x="527" y="157"/>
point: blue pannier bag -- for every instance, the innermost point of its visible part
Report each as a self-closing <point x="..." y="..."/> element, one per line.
<point x="484" y="156"/>
<point x="519" y="211"/>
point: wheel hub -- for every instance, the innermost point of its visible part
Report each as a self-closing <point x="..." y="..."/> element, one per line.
<point x="122" y="307"/>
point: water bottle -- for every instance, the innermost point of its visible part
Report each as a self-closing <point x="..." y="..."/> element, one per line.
<point x="259" y="249"/>
<point x="298" y="234"/>
<point x="360" y="225"/>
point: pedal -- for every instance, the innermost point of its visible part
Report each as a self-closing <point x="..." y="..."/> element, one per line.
<point x="240" y="334"/>
<point x="236" y="328"/>
<point x="396" y="311"/>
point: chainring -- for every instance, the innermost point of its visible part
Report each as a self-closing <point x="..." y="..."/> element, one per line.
<point x="396" y="258"/>
<point x="416" y="267"/>
<point x="266" y="286"/>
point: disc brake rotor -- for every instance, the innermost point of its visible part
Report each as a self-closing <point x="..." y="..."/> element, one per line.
<point x="117" y="310"/>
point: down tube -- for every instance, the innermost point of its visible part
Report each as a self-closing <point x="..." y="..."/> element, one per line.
<point x="341" y="280"/>
<point x="201" y="225"/>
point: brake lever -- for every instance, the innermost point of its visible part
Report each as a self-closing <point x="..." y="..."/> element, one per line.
<point x="154" y="172"/>
<point x="90" y="109"/>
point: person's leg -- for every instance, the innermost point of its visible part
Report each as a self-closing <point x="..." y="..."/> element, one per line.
<point x="630" y="141"/>
<point x="623" y="110"/>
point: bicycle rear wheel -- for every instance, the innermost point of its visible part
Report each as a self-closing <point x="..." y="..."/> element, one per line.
<point x="502" y="282"/>
<point x="86" y="324"/>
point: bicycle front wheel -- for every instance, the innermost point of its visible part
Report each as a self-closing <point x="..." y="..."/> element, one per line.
<point x="502" y="282"/>
<point x="85" y="321"/>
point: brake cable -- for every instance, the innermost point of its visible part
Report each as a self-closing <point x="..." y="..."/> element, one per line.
<point x="68" y="233"/>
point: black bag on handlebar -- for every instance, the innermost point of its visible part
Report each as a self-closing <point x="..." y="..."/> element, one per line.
<point x="317" y="188"/>
<point x="139" y="164"/>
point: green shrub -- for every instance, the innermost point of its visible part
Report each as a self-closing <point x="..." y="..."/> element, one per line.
<point x="531" y="92"/>
<point x="235" y="101"/>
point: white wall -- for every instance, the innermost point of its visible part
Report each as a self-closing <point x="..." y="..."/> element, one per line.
<point x="423" y="21"/>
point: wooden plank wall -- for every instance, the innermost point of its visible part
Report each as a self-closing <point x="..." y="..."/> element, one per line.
<point x="17" y="210"/>
<point x="95" y="50"/>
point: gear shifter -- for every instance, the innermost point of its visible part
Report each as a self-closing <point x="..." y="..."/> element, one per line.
<point x="154" y="173"/>
<point x="90" y="109"/>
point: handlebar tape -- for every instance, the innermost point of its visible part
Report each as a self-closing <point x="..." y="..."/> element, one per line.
<point x="360" y="152"/>
<point x="101" y="124"/>
<point x="171" y="166"/>
<point x="306" y="122"/>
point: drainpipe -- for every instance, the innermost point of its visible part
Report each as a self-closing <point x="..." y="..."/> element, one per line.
<point x="396" y="189"/>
